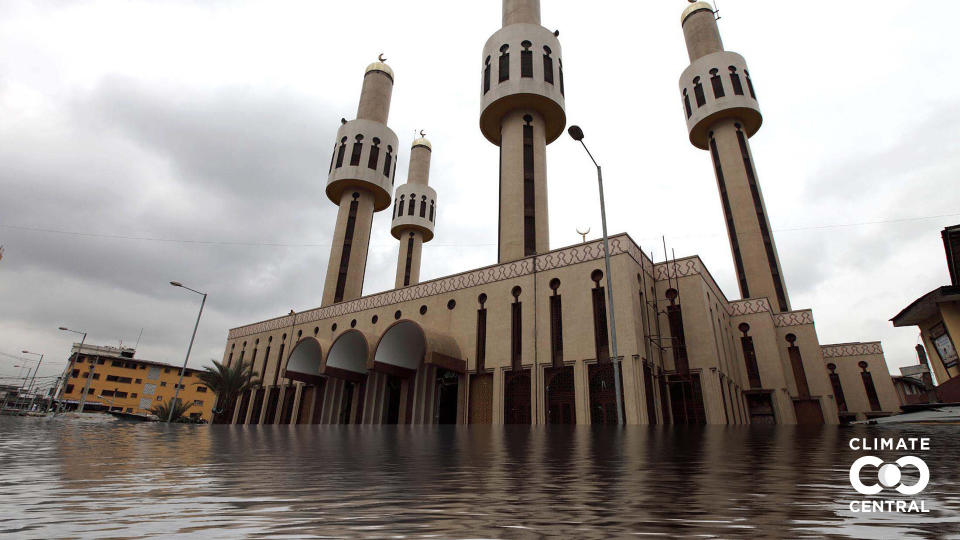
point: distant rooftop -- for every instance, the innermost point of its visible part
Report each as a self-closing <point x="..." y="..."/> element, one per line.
<point x="121" y="353"/>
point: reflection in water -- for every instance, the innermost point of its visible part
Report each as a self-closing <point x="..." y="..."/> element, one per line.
<point x="96" y="477"/>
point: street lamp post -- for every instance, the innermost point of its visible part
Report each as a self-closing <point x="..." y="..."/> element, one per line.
<point x="577" y="134"/>
<point x="93" y="365"/>
<point x="176" y="391"/>
<point x="34" y="378"/>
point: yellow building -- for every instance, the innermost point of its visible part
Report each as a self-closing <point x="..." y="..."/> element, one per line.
<point x="120" y="382"/>
<point x="937" y="316"/>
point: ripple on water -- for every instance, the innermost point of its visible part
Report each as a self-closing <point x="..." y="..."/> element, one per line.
<point x="94" y="477"/>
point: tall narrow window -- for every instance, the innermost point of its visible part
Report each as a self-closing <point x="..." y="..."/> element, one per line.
<point x="547" y="65"/>
<point x="516" y="329"/>
<point x="431" y="210"/>
<point x="333" y="157"/>
<point x="869" y="387"/>
<point x="504" y="63"/>
<point x="423" y="206"/>
<point x="386" y="162"/>
<point x="393" y="177"/>
<point x="276" y="372"/>
<point x="409" y="263"/>
<point x="398" y="206"/>
<point x="698" y="92"/>
<point x="529" y="201"/>
<point x="750" y="357"/>
<point x="374" y="154"/>
<point x="253" y="359"/>
<point x="837" y="388"/>
<point x="263" y="368"/>
<point x="750" y="84"/>
<point x="728" y="214"/>
<point x="678" y="340"/>
<point x="486" y="75"/>
<point x="560" y="74"/>
<point x="686" y="103"/>
<point x="526" y="60"/>
<point x="762" y="221"/>
<point x="796" y="361"/>
<point x="735" y="81"/>
<point x="556" y="325"/>
<point x="481" y="333"/>
<point x="345" y="252"/>
<point x="717" y="83"/>
<point x="600" y="338"/>
<point x="340" y="152"/>
<point x="357" y="149"/>
<point x="411" y="204"/>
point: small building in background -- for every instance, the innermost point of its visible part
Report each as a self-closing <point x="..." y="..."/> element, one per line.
<point x="937" y="315"/>
<point x="120" y="382"/>
<point x="914" y="385"/>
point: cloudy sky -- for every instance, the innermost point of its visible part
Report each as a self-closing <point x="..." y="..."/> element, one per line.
<point x="143" y="142"/>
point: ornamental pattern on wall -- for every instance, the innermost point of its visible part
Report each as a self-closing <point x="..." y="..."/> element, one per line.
<point x="793" y="318"/>
<point x="589" y="251"/>
<point x="748" y="307"/>
<point x="851" y="349"/>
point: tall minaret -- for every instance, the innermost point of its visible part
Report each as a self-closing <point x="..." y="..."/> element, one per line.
<point x="414" y="213"/>
<point x="721" y="109"/>
<point x="521" y="112"/>
<point x="362" y="169"/>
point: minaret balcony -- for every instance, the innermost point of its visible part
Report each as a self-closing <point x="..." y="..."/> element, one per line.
<point x="415" y="208"/>
<point x="716" y="87"/>
<point x="522" y="68"/>
<point x="364" y="157"/>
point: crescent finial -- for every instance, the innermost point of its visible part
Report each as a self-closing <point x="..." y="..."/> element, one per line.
<point x="422" y="133"/>
<point x="381" y="58"/>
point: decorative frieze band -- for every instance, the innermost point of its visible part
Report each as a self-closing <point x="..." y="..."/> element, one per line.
<point x="579" y="253"/>
<point x="793" y="318"/>
<point x="851" y="349"/>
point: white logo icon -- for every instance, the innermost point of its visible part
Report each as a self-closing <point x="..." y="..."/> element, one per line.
<point x="889" y="475"/>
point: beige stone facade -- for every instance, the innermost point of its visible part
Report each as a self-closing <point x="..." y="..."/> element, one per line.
<point x="528" y="340"/>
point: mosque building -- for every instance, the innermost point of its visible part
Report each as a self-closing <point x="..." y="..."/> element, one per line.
<point x="527" y="340"/>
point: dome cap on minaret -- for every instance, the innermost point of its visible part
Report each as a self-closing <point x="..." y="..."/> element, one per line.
<point x="422" y="141"/>
<point x="695" y="6"/>
<point x="380" y="65"/>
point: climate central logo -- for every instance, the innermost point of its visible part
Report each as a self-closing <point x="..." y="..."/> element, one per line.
<point x="890" y="475"/>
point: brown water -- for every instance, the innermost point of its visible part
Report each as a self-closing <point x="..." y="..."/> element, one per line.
<point x="96" y="477"/>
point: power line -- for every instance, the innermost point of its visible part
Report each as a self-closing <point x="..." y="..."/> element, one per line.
<point x="199" y="242"/>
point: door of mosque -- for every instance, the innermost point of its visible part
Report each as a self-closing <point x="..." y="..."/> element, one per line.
<point x="391" y="400"/>
<point x="603" y="395"/>
<point x="448" y="385"/>
<point x="560" y="395"/>
<point x="516" y="397"/>
<point x="481" y="398"/>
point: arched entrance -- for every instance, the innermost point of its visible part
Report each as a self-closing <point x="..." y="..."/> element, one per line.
<point x="347" y="363"/>
<point x="304" y="364"/>
<point x="417" y="376"/>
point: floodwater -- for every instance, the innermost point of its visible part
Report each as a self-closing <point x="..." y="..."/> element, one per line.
<point x="97" y="477"/>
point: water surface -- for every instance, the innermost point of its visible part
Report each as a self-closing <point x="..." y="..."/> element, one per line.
<point x="97" y="477"/>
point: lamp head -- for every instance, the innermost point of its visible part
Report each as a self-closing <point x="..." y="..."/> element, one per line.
<point x="64" y="328"/>
<point x="176" y="284"/>
<point x="575" y="132"/>
<point x="25" y="352"/>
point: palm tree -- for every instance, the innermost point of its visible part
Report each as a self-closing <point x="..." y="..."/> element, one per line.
<point x="162" y="410"/>
<point x="228" y="383"/>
